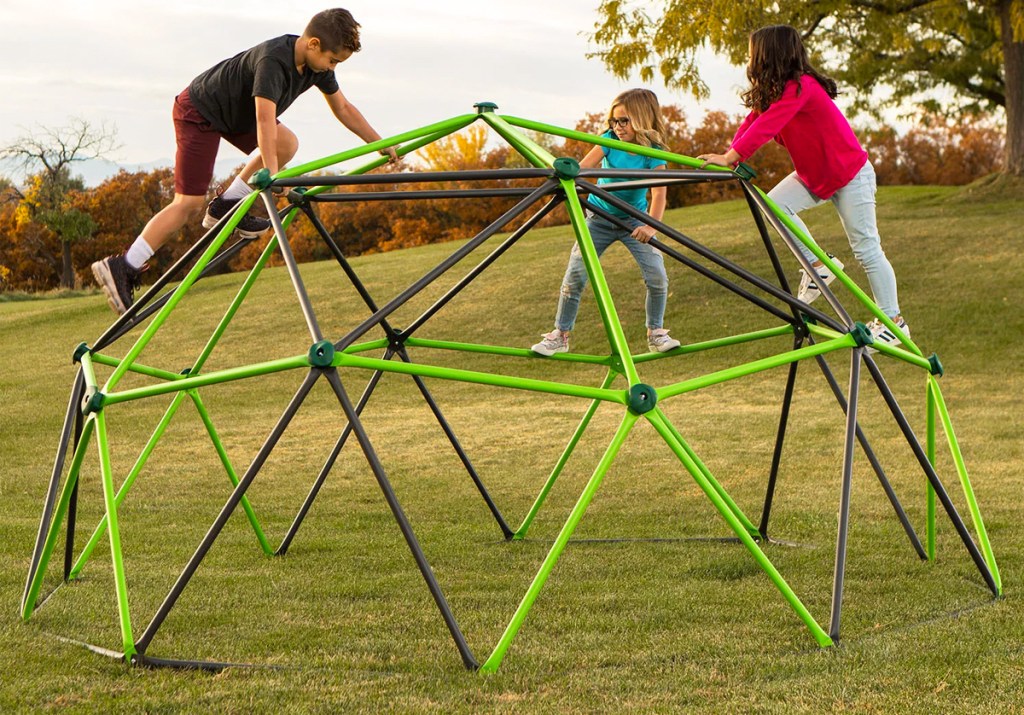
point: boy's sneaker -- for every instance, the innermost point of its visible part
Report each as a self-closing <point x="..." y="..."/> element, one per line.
<point x="554" y="342"/>
<point x="808" y="289"/>
<point x="249" y="227"/>
<point x="882" y="334"/>
<point x="658" y="341"/>
<point x="118" y="281"/>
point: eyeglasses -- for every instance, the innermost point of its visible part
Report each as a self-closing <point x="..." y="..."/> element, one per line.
<point x="618" y="121"/>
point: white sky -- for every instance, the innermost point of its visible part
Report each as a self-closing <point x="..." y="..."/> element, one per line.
<point x="422" y="61"/>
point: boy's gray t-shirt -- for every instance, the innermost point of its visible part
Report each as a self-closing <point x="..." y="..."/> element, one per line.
<point x="224" y="93"/>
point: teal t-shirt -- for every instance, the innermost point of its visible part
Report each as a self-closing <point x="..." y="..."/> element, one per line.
<point x="618" y="159"/>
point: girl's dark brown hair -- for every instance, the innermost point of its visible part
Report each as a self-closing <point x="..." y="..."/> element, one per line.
<point x="777" y="55"/>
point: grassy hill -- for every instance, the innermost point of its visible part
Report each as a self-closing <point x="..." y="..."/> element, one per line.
<point x="647" y="610"/>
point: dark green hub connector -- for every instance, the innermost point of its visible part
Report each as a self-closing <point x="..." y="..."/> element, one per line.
<point x="642" y="398"/>
<point x="936" y="364"/>
<point x="80" y="350"/>
<point x="566" y="168"/>
<point x="261" y="179"/>
<point x="321" y="354"/>
<point x="482" y="107"/>
<point x="92" y="401"/>
<point x="745" y="172"/>
<point x="861" y="335"/>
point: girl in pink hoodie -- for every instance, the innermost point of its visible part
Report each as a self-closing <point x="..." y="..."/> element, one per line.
<point x="792" y="102"/>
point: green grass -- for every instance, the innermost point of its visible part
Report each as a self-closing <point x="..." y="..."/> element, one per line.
<point x="681" y="623"/>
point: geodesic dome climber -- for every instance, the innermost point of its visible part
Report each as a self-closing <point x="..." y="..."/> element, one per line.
<point x="378" y="347"/>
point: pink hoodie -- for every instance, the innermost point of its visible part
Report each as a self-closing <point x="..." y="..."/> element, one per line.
<point x="823" y="147"/>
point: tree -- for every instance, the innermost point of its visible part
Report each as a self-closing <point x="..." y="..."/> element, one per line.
<point x="53" y="197"/>
<point x="955" y="57"/>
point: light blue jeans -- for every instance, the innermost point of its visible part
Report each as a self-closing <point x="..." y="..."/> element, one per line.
<point x="855" y="203"/>
<point x="650" y="260"/>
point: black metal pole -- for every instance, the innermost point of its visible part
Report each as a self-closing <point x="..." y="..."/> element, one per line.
<point x="702" y="250"/>
<point x="397" y="341"/>
<point x="403" y="523"/>
<point x="69" y="538"/>
<point x="70" y="423"/>
<point x="445" y="265"/>
<point x="844" y="500"/>
<point x="328" y="465"/>
<point x="793" y="245"/>
<point x="463" y="457"/>
<point x="697" y="267"/>
<point x="780" y="436"/>
<point x="931" y="474"/>
<point x="480" y="267"/>
<point x="218" y="524"/>
<point x="875" y="464"/>
<point x="416" y="177"/>
<point x="293" y="269"/>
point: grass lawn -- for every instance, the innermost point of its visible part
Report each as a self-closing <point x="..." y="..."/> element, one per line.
<point x="648" y="609"/>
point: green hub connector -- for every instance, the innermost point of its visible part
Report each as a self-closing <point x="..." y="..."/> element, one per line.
<point x="936" y="364"/>
<point x="745" y="172"/>
<point x="321" y="354"/>
<point x="297" y="196"/>
<point x="566" y="168"/>
<point x="642" y="398"/>
<point x="861" y="335"/>
<point x="261" y="179"/>
<point x="80" y="350"/>
<point x="92" y="402"/>
<point x="482" y="107"/>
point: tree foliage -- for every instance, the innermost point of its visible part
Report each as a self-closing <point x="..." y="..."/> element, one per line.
<point x="953" y="57"/>
<point x="53" y="199"/>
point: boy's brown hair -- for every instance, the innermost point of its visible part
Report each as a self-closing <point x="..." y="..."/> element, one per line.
<point x="336" y="29"/>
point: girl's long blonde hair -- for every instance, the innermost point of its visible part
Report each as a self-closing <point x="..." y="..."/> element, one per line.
<point x="644" y="115"/>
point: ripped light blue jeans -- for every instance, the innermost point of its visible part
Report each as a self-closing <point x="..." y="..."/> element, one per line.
<point x="650" y="260"/>
<point x="855" y="203"/>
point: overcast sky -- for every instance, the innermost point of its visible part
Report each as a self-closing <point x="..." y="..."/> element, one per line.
<point x="422" y="61"/>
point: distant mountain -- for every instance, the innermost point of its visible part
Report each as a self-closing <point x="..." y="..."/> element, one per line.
<point x="96" y="171"/>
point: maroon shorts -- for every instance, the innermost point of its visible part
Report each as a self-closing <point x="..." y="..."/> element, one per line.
<point x="198" y="142"/>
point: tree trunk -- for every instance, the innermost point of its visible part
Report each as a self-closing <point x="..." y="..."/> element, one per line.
<point x="67" y="279"/>
<point x="1013" y="69"/>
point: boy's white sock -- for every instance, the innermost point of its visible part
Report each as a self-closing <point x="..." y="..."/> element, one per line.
<point x="238" y="190"/>
<point x="139" y="253"/>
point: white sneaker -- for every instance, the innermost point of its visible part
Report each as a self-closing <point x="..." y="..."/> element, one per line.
<point x="658" y="341"/>
<point x="554" y="342"/>
<point x="882" y="334"/>
<point x="808" y="290"/>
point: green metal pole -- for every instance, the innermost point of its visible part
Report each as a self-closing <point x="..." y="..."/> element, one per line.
<point x="344" y="360"/>
<point x="612" y="143"/>
<point x="605" y="304"/>
<point x="444" y="127"/>
<point x="899" y="353"/>
<point x="930" y="494"/>
<point x="232" y="475"/>
<point x="502" y="350"/>
<point x="210" y="378"/>
<point x="733" y="506"/>
<point x="494" y="661"/>
<point x="58" y="518"/>
<point x="531" y="151"/>
<point x="126" y="486"/>
<point x="179" y="293"/>
<point x="113" y="530"/>
<point x="714" y="378"/>
<point x="562" y="460"/>
<point x="965" y="481"/>
<point x="660" y="422"/>
<point x="717" y="343"/>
